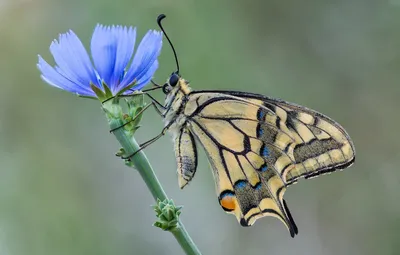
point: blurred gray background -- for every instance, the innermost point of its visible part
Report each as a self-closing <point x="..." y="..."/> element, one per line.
<point x="62" y="190"/>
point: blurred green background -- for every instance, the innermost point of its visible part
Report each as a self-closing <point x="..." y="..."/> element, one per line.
<point x="62" y="190"/>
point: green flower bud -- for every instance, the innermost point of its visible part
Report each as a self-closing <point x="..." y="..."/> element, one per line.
<point x="167" y="214"/>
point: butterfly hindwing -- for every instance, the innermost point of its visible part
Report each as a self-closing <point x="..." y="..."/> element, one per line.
<point x="257" y="146"/>
<point x="242" y="189"/>
<point x="247" y="184"/>
<point x="186" y="156"/>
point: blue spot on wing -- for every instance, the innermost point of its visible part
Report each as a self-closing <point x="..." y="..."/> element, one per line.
<point x="240" y="184"/>
<point x="260" y="130"/>
<point x="258" y="186"/>
<point x="264" y="168"/>
<point x="226" y="194"/>
<point x="264" y="151"/>
<point x="261" y="114"/>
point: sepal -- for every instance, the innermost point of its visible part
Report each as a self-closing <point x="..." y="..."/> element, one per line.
<point x="113" y="110"/>
<point x="122" y="91"/>
<point x="135" y="106"/>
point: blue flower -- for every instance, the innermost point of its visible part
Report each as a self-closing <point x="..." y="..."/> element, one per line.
<point x="112" y="48"/>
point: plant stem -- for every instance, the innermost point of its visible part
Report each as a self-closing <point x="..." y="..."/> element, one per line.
<point x="146" y="171"/>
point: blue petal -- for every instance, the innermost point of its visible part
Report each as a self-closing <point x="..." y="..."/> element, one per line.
<point x="112" y="48"/>
<point x="58" y="80"/>
<point x="126" y="42"/>
<point x="104" y="47"/>
<point x="143" y="63"/>
<point x="145" y="79"/>
<point x="72" y="58"/>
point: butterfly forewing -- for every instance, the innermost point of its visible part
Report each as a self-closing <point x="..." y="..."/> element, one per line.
<point x="321" y="144"/>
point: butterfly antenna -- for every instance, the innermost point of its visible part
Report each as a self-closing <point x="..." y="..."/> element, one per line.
<point x="159" y="19"/>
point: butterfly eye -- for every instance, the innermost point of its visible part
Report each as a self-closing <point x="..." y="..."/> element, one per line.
<point x="166" y="88"/>
<point x="173" y="80"/>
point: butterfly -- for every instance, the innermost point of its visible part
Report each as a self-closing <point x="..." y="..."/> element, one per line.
<point x="257" y="146"/>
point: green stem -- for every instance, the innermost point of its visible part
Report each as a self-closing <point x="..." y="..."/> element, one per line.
<point x="146" y="171"/>
<point x="184" y="239"/>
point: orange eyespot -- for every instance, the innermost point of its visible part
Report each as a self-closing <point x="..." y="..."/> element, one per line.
<point x="228" y="202"/>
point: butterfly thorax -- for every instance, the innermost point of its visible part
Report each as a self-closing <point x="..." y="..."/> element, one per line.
<point x="175" y="102"/>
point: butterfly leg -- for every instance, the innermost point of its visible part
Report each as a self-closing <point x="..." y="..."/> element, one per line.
<point x="147" y="143"/>
<point x="154" y="103"/>
<point x="137" y="116"/>
<point x="156" y="86"/>
<point x="157" y="105"/>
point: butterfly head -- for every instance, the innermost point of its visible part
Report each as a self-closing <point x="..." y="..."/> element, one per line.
<point x="175" y="83"/>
